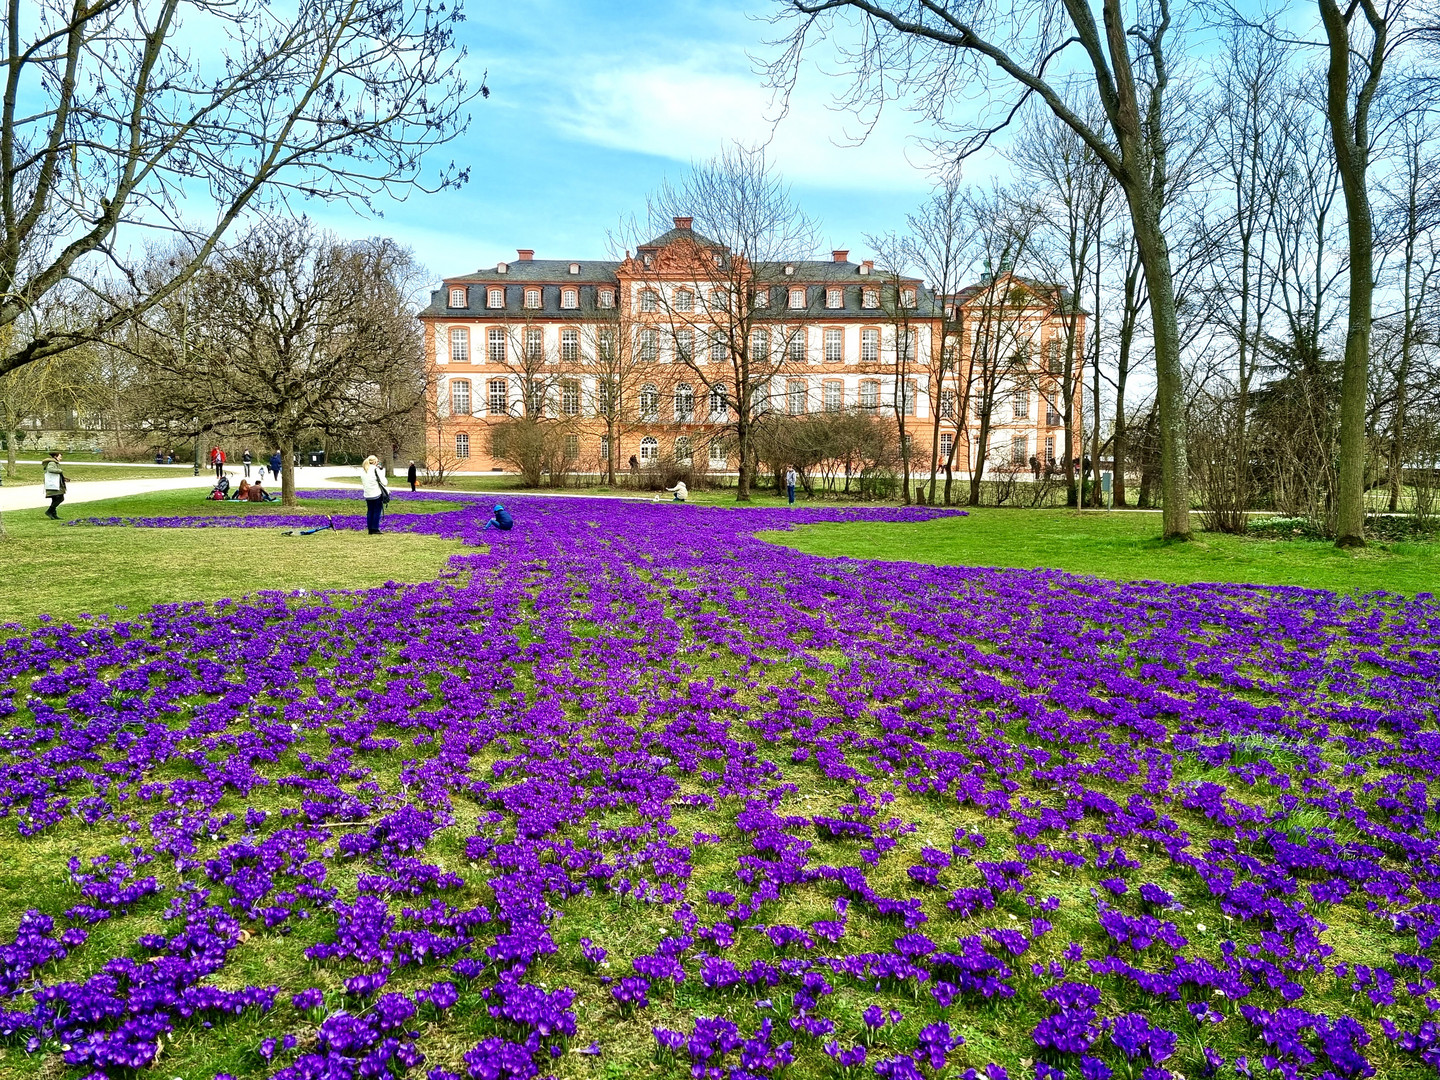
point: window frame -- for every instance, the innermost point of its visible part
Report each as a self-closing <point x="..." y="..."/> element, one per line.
<point x="496" y="345"/>
<point x="833" y="335"/>
<point x="570" y="298"/>
<point x="570" y="345"/>
<point x="870" y="298"/>
<point x="495" y="297"/>
<point x="459" y="387"/>
<point x="460" y="335"/>
<point x="462" y="445"/>
<point x="835" y="388"/>
<point x="684" y="414"/>
<point x="605" y="298"/>
<point x="570" y="397"/>
<point x="869" y="393"/>
<point x="460" y="291"/>
<point x="503" y="397"/>
<point x="792" y="293"/>
<point x="870" y="335"/>
<point x="649" y="403"/>
<point x="649" y="301"/>
<point x="834" y="297"/>
<point x="534" y="343"/>
<point x="534" y="298"/>
<point x="797" y="390"/>
<point x="652" y="444"/>
<point x="684" y="300"/>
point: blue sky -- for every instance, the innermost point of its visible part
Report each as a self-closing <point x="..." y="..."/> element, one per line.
<point x="592" y="105"/>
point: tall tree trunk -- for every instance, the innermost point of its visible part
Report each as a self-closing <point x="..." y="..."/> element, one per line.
<point x="287" y="472"/>
<point x="1351" y="144"/>
<point x="1169" y="388"/>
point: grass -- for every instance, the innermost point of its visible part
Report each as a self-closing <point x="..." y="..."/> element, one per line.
<point x="63" y="571"/>
<point x="80" y="472"/>
<point x="1124" y="546"/>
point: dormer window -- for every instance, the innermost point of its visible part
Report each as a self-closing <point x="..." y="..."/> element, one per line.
<point x="502" y="268"/>
<point x="762" y="297"/>
<point x="569" y="298"/>
<point x="719" y="259"/>
<point x="495" y="298"/>
<point x="797" y="299"/>
<point x="647" y="261"/>
<point x="789" y="270"/>
<point x="532" y="298"/>
<point x="870" y="298"/>
<point x="574" y="268"/>
<point x="834" y="298"/>
<point x="907" y="297"/>
<point x="605" y="298"/>
<point x="458" y="296"/>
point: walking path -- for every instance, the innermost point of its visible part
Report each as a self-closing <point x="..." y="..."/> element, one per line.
<point x="32" y="496"/>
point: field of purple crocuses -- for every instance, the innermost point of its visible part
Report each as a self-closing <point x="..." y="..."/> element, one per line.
<point x="630" y="791"/>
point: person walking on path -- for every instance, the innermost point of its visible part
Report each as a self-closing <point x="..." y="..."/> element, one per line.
<point x="410" y="475"/>
<point x="217" y="458"/>
<point x="275" y="464"/>
<point x="372" y="484"/>
<point x="246" y="459"/>
<point x="502" y="520"/>
<point x="54" y="485"/>
<point x="790" y="485"/>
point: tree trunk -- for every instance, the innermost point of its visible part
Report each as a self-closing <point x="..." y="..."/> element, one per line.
<point x="287" y="472"/>
<point x="1169" y="389"/>
<point x="977" y="466"/>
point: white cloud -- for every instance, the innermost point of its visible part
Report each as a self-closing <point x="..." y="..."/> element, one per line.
<point x="687" y="111"/>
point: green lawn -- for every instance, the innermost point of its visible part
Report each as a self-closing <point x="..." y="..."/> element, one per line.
<point x="54" y="569"/>
<point x="1124" y="546"/>
<point x="80" y="471"/>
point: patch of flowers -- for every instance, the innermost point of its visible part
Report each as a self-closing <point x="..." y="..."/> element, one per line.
<point x="630" y="778"/>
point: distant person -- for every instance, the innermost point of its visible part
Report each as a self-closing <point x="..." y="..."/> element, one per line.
<point x="245" y="460"/>
<point x="372" y="484"/>
<point x="159" y="457"/>
<point x="217" y="459"/>
<point x="169" y="457"/>
<point x="275" y="464"/>
<point x="242" y="493"/>
<point x="501" y="520"/>
<point x="221" y="490"/>
<point x="634" y="464"/>
<point x="790" y="485"/>
<point x="258" y="492"/>
<point x="680" y="491"/>
<point x="410" y="475"/>
<point x="1035" y="466"/>
<point x="54" y="485"/>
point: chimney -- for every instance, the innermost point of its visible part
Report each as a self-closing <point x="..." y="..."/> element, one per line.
<point x="525" y="254"/>
<point x="841" y="255"/>
<point x="683" y="222"/>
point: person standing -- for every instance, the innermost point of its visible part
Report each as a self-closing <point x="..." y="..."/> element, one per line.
<point x="245" y="460"/>
<point x="410" y="475"/>
<point x="372" y="484"/>
<point x="790" y="485"/>
<point x="275" y="464"/>
<point x="219" y="456"/>
<point x="54" y="485"/>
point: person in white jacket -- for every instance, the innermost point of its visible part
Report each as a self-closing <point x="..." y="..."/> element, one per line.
<point x="372" y="485"/>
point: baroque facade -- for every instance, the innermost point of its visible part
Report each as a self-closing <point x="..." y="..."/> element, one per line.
<point x="647" y="352"/>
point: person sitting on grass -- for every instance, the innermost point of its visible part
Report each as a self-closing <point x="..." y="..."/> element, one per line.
<point x="221" y="490"/>
<point x="259" y="494"/>
<point x="680" y="491"/>
<point x="502" y="520"/>
<point x="242" y="493"/>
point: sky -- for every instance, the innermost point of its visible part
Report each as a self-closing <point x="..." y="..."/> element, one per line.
<point x="593" y="105"/>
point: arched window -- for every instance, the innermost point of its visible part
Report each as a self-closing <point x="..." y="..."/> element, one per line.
<point x="532" y="298"/>
<point x="684" y="403"/>
<point x="796" y="393"/>
<point x="649" y="449"/>
<point x="460" y="397"/>
<point x="569" y="298"/>
<point x="682" y="449"/>
<point x="459" y="344"/>
<point x="499" y="397"/>
<point x="649" y="402"/>
<point x="719" y="408"/>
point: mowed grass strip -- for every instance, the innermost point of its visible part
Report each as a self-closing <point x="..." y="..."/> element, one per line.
<point x="81" y="472"/>
<point x="51" y="568"/>
<point x="1123" y="546"/>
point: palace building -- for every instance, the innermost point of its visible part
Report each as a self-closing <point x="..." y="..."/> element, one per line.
<point x="654" y="339"/>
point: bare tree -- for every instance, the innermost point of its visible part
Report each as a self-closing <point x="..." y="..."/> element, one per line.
<point x="613" y="341"/>
<point x="939" y="53"/>
<point x="907" y="311"/>
<point x="1072" y="213"/>
<point x="113" y="124"/>
<point x="936" y="244"/>
<point x="736" y="228"/>
<point x="299" y="335"/>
